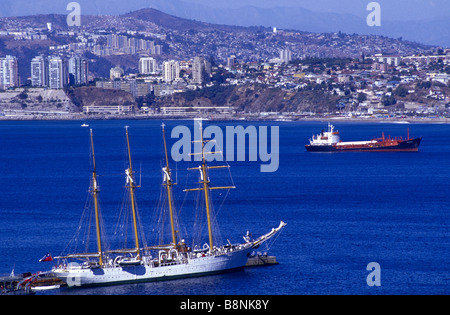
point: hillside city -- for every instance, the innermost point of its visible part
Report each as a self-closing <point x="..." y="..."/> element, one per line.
<point x="134" y="67"/>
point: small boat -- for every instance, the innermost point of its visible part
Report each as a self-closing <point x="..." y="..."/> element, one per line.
<point x="45" y="281"/>
<point x="84" y="125"/>
<point x="46" y="288"/>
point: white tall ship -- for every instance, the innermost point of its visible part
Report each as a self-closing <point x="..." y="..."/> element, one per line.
<point x="160" y="262"/>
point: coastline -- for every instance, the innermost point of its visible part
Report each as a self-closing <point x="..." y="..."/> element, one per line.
<point x="272" y="118"/>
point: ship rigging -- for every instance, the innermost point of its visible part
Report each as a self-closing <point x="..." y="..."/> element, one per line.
<point x="143" y="263"/>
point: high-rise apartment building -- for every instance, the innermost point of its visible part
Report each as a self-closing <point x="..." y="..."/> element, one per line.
<point x="201" y="70"/>
<point x="78" y="70"/>
<point x="9" y="72"/>
<point x="231" y="61"/>
<point x="286" y="55"/>
<point x="198" y="70"/>
<point x="147" y="65"/>
<point x="39" y="71"/>
<point x="127" y="45"/>
<point x="171" y="70"/>
<point x="57" y="70"/>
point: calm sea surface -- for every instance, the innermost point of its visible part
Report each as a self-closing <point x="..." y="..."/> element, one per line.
<point x="343" y="211"/>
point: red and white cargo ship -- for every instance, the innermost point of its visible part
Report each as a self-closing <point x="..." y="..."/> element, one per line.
<point x="330" y="142"/>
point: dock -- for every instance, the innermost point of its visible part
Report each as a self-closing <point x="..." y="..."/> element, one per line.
<point x="15" y="285"/>
<point x="261" y="260"/>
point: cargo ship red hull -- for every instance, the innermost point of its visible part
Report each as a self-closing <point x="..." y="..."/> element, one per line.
<point x="411" y="145"/>
<point x="330" y="142"/>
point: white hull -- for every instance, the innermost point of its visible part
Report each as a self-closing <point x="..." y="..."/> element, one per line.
<point x="45" y="288"/>
<point x="210" y="264"/>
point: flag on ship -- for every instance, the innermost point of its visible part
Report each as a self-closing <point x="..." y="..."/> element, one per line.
<point x="47" y="257"/>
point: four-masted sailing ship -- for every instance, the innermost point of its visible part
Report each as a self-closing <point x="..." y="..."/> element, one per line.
<point x="158" y="262"/>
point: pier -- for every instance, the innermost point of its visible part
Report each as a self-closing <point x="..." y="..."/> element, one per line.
<point x="261" y="260"/>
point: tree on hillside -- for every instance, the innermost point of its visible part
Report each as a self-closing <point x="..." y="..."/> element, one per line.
<point x="362" y="97"/>
<point x="401" y="91"/>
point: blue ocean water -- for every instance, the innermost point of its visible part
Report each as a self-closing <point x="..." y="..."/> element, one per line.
<point x="343" y="210"/>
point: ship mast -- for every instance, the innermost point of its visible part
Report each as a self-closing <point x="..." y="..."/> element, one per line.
<point x="169" y="184"/>
<point x="205" y="183"/>
<point x="131" y="186"/>
<point x="95" y="191"/>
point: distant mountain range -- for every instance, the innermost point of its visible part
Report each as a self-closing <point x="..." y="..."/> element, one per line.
<point x="432" y="31"/>
<point x="173" y="22"/>
<point x="429" y="30"/>
<point x="143" y="19"/>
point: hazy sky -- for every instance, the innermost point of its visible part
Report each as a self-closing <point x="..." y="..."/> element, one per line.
<point x="424" y="21"/>
<point x="391" y="9"/>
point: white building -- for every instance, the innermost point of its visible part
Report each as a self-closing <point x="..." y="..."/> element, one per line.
<point x="108" y="109"/>
<point x="388" y="59"/>
<point x="286" y="55"/>
<point x="171" y="70"/>
<point x="147" y="65"/>
<point x="194" y="111"/>
<point x="39" y="71"/>
<point x="116" y="73"/>
<point x="444" y="78"/>
<point x="231" y="61"/>
<point x="57" y="71"/>
<point x="9" y="72"/>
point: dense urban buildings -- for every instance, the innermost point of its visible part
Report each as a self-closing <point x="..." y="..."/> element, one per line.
<point x="117" y="44"/>
<point x="56" y="72"/>
<point x="208" y="66"/>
